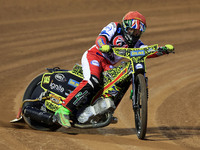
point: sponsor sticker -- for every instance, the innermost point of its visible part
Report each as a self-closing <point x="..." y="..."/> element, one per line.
<point x="55" y="98"/>
<point x="46" y="79"/>
<point x="139" y="66"/>
<point x="60" y="77"/>
<point x="73" y="83"/>
<point x="100" y="42"/>
<point x="56" y="87"/>
<point x="79" y="97"/>
<point x="95" y="63"/>
<point x="137" y="53"/>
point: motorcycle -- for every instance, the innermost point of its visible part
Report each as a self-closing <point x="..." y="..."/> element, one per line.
<point x="45" y="93"/>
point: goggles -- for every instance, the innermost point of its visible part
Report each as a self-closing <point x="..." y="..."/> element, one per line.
<point x="134" y="24"/>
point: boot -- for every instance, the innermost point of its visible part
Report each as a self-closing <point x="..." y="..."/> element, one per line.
<point x="62" y="116"/>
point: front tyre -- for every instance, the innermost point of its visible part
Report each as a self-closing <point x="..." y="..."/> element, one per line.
<point x="140" y="107"/>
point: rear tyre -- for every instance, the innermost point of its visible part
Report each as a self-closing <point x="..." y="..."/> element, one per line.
<point x="33" y="91"/>
<point x="140" y="108"/>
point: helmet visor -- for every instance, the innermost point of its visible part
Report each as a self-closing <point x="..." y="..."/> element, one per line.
<point x="134" y="24"/>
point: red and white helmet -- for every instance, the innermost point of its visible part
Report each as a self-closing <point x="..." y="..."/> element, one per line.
<point x="133" y="25"/>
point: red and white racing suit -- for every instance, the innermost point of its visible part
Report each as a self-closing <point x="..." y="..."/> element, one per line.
<point x="94" y="62"/>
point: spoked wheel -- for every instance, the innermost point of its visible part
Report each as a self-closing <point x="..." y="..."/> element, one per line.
<point x="140" y="107"/>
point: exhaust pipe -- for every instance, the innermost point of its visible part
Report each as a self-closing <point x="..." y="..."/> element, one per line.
<point x="39" y="115"/>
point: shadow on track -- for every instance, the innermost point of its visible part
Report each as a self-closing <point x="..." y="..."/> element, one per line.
<point x="172" y="132"/>
<point x="161" y="133"/>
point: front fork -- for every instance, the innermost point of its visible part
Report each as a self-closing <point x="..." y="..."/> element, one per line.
<point x="132" y="96"/>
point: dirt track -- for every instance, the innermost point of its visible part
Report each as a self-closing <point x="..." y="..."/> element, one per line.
<point x="44" y="33"/>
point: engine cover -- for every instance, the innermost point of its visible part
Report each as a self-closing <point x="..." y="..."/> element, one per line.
<point x="102" y="106"/>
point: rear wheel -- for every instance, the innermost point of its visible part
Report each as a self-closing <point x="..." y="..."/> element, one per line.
<point x="33" y="91"/>
<point x="140" y="107"/>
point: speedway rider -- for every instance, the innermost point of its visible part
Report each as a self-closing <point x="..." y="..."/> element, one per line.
<point x="94" y="61"/>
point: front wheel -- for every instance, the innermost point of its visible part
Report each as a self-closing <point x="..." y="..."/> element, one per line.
<point x="140" y="106"/>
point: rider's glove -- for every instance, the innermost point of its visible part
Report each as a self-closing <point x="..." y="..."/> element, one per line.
<point x="105" y="49"/>
<point x="167" y="48"/>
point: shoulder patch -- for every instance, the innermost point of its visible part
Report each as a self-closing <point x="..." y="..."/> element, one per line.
<point x="109" y="30"/>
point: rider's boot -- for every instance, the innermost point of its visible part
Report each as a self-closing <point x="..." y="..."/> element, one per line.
<point x="62" y="116"/>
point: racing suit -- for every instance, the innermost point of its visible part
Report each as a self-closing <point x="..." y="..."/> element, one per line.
<point x="94" y="62"/>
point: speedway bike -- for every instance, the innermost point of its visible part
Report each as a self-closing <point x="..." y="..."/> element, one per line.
<point x="45" y="93"/>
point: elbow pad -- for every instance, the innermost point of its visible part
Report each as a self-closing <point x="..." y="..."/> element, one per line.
<point x="100" y="41"/>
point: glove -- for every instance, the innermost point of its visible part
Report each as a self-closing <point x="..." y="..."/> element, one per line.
<point x="169" y="48"/>
<point x="105" y="49"/>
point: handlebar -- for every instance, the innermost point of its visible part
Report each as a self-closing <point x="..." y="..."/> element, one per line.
<point x="110" y="48"/>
